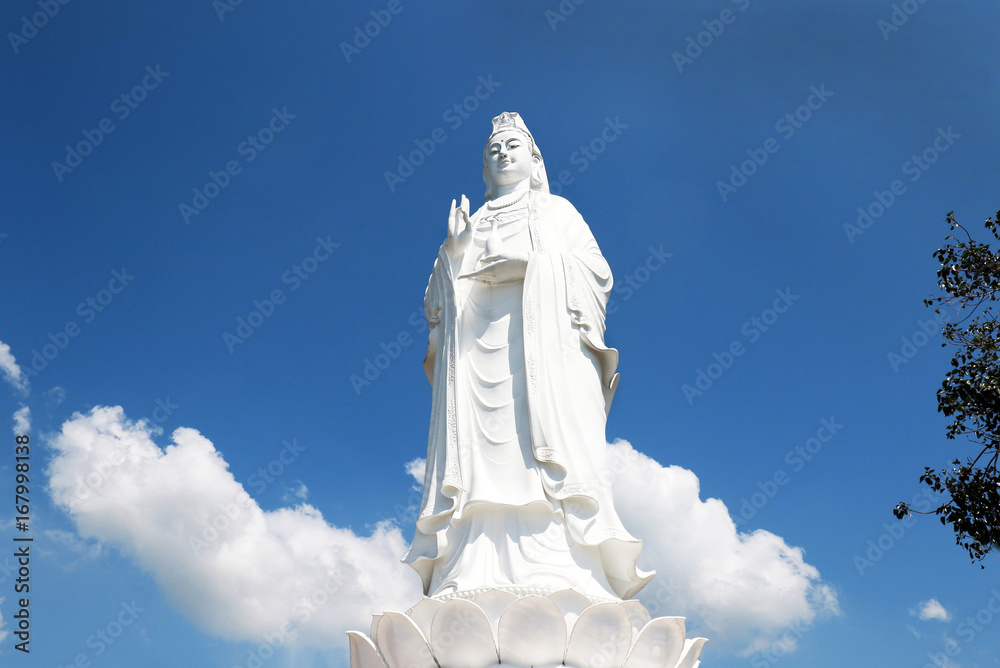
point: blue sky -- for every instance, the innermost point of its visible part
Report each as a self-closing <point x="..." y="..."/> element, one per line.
<point x="738" y="137"/>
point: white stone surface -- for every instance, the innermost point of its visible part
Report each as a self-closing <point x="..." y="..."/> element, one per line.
<point x="523" y="558"/>
<point x="522" y="381"/>
<point x="526" y="631"/>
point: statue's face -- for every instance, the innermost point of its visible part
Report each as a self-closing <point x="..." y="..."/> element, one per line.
<point x="508" y="158"/>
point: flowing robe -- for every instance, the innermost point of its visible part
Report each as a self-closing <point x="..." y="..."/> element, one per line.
<point x="513" y="491"/>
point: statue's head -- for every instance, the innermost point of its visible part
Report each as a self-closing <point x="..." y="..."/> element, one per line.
<point x="511" y="156"/>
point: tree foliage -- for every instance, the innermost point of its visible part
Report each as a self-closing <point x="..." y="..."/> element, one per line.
<point x="969" y="279"/>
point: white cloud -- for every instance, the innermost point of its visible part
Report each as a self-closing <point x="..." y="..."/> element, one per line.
<point x="22" y="420"/>
<point x="251" y="574"/>
<point x="255" y="571"/>
<point x="916" y="634"/>
<point x="54" y="397"/>
<point x="11" y="371"/>
<point x="931" y="609"/>
<point x="749" y="590"/>
<point x="416" y="468"/>
<point x="3" y="634"/>
<point x="300" y="492"/>
<point x="71" y="543"/>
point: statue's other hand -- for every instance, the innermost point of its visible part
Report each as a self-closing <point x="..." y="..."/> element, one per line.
<point x="459" y="228"/>
<point x="500" y="268"/>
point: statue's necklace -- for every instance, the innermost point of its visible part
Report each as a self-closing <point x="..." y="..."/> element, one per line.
<point x="491" y="207"/>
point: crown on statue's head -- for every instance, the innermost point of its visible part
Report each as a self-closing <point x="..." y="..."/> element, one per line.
<point x="511" y="120"/>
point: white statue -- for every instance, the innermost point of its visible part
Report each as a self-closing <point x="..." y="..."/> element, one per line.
<point x="522" y="382"/>
<point x="523" y="558"/>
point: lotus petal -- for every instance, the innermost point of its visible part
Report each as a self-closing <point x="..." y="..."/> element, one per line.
<point x="601" y="637"/>
<point x="659" y="644"/>
<point x="571" y="603"/>
<point x="692" y="650"/>
<point x="639" y="614"/>
<point x="423" y="613"/>
<point x="493" y="603"/>
<point x="461" y="636"/>
<point x="532" y="632"/>
<point x="402" y="643"/>
<point x="363" y="652"/>
<point x="373" y="633"/>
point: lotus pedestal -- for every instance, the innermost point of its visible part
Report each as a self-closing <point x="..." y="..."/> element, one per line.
<point x="500" y="628"/>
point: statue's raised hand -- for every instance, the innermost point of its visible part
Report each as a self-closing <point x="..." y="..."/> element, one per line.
<point x="459" y="229"/>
